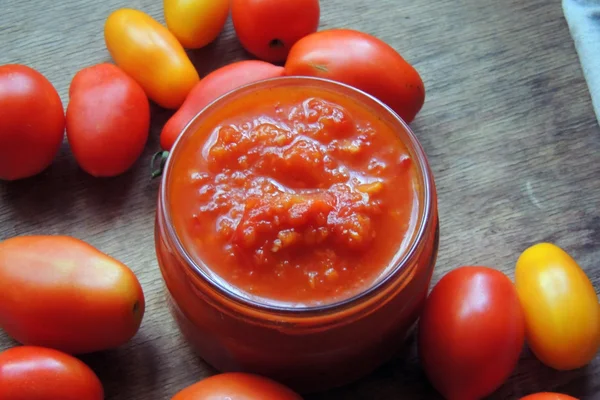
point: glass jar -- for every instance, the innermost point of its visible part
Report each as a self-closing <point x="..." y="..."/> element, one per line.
<point x="308" y="348"/>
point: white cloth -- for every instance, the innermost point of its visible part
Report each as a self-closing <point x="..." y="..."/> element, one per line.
<point x="583" y="18"/>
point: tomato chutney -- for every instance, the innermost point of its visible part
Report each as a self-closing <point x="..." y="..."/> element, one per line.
<point x="297" y="232"/>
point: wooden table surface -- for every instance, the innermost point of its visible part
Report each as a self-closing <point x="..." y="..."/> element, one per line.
<point x="507" y="125"/>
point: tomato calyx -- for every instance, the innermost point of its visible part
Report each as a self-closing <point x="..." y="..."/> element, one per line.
<point x="276" y="43"/>
<point x="157" y="163"/>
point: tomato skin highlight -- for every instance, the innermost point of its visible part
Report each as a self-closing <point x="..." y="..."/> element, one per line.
<point x="38" y="373"/>
<point x="237" y="386"/>
<point x="196" y="23"/>
<point x="214" y="85"/>
<point x="548" y="396"/>
<point x="471" y="332"/>
<point x="363" y="61"/>
<point x="62" y="293"/>
<point x="108" y="119"/>
<point x="269" y="28"/>
<point x="149" y="53"/>
<point x="32" y="122"/>
<point x="561" y="307"/>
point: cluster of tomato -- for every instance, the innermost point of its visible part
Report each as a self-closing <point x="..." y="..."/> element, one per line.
<point x="79" y="300"/>
<point x="476" y="321"/>
<point x="108" y="115"/>
<point x="60" y="296"/>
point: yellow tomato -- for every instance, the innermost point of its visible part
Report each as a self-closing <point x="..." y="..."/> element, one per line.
<point x="151" y="55"/>
<point x="562" y="313"/>
<point x="196" y="23"/>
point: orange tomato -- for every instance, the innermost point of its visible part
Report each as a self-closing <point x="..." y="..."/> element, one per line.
<point x="62" y="293"/>
<point x="562" y="313"/>
<point x="151" y="55"/>
<point x="196" y="23"/>
<point x="237" y="386"/>
<point x="363" y="61"/>
<point x="108" y="118"/>
<point x="548" y="396"/>
<point x="32" y="122"/>
<point x="269" y="28"/>
<point x="38" y="373"/>
<point x="214" y="85"/>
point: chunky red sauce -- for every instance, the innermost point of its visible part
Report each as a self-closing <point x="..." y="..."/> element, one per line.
<point x="296" y="196"/>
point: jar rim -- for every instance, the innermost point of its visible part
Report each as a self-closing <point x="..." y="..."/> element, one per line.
<point x="200" y="269"/>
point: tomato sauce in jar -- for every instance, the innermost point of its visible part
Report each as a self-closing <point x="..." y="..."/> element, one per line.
<point x="297" y="232"/>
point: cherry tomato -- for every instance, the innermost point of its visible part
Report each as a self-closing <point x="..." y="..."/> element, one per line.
<point x="151" y="55"/>
<point x="196" y="23"/>
<point x="562" y="314"/>
<point x="38" y="373"/>
<point x="269" y="28"/>
<point x="108" y="118"/>
<point x="237" y="386"/>
<point x="471" y="332"/>
<point x="214" y="85"/>
<point x="363" y="61"/>
<point x="548" y="396"/>
<point x="32" y="122"/>
<point x="62" y="293"/>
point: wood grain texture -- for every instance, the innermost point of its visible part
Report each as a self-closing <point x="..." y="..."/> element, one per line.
<point x="507" y="125"/>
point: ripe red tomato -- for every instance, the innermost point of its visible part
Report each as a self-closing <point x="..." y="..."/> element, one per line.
<point x="363" y="61"/>
<point x="38" y="373"/>
<point x="548" y="396"/>
<point x="108" y="119"/>
<point x="32" y="122"/>
<point x="269" y="28"/>
<point x="62" y="293"/>
<point x="471" y="332"/>
<point x="237" y="386"/>
<point x="214" y="85"/>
